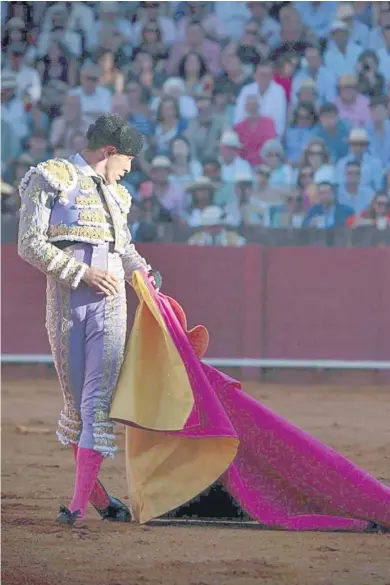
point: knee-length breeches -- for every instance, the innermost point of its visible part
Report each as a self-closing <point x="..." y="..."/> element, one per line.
<point x="87" y="333"/>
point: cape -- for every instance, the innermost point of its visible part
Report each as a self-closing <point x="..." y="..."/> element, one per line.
<point x="188" y="425"/>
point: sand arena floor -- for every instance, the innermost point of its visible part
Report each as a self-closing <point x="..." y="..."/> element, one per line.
<point x="37" y="476"/>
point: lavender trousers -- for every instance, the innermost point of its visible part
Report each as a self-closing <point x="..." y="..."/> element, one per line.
<point x="87" y="333"/>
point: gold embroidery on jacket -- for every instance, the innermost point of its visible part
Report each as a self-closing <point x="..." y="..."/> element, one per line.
<point x="82" y="233"/>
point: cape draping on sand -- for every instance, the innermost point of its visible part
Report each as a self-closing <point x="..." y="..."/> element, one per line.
<point x="189" y="425"/>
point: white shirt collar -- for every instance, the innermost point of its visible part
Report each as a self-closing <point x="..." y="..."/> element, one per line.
<point x="85" y="168"/>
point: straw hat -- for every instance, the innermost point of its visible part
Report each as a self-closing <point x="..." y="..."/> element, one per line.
<point x="161" y="162"/>
<point x="345" y="10"/>
<point x="349" y="80"/>
<point x="230" y="138"/>
<point x="203" y="183"/>
<point x="210" y="216"/>
<point x="338" y="25"/>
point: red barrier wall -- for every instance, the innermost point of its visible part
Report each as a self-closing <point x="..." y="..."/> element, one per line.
<point x="324" y="303"/>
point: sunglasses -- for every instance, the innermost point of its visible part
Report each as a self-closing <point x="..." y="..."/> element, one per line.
<point x="274" y="154"/>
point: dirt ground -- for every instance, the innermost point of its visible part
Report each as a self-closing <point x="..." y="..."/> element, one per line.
<point x="37" y="475"/>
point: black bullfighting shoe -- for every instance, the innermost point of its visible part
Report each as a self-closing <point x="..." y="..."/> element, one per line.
<point x="373" y="527"/>
<point x="116" y="511"/>
<point x="65" y="516"/>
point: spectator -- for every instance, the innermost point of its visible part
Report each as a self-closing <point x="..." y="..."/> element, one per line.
<point x="109" y="16"/>
<point x="353" y="192"/>
<point x="306" y="186"/>
<point x="54" y="65"/>
<point x="38" y="147"/>
<point x="352" y="106"/>
<point x="333" y="131"/>
<point x="317" y="16"/>
<point x="273" y="155"/>
<point x="317" y="157"/>
<point x="192" y="68"/>
<point x="204" y="132"/>
<point x="359" y="32"/>
<point x="15" y="32"/>
<point x="248" y="49"/>
<point x="212" y="26"/>
<point x="78" y="143"/>
<point x="224" y="192"/>
<point x="383" y="55"/>
<point x="169" y="124"/>
<point x="308" y="93"/>
<point x="69" y="123"/>
<point x="152" y="43"/>
<point x="295" y="36"/>
<point x="10" y="145"/>
<point x="272" y="97"/>
<point x="290" y="214"/>
<point x="231" y="162"/>
<point x="377" y="214"/>
<point x="378" y="130"/>
<point x="371" y="167"/>
<point x="254" y="131"/>
<point x="185" y="170"/>
<point x="175" y="88"/>
<point x="314" y="69"/>
<point x="241" y="211"/>
<point x="342" y="54"/>
<point x="28" y="82"/>
<point x="151" y="16"/>
<point x="201" y="196"/>
<point x="212" y="233"/>
<point x="196" y="42"/>
<point x="379" y="34"/>
<point x="58" y="29"/>
<point x="328" y="213"/>
<point x="170" y="197"/>
<point x="12" y="107"/>
<point x="268" y="28"/>
<point x="370" y="82"/>
<point x="264" y="198"/>
<point x="233" y="17"/>
<point x="110" y="76"/>
<point x="94" y="99"/>
<point x="284" y="71"/>
<point x="300" y="131"/>
<point x="139" y="114"/>
<point x="235" y="76"/>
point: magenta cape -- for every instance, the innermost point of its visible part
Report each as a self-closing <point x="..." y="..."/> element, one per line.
<point x="280" y="475"/>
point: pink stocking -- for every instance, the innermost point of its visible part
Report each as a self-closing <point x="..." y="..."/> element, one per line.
<point x="88" y="466"/>
<point x="99" y="497"/>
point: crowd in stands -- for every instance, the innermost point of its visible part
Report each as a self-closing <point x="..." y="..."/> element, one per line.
<point x="273" y="114"/>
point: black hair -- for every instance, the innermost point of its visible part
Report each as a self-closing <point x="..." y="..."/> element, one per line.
<point x="113" y="130"/>
<point x="182" y="65"/>
<point x="327" y="109"/>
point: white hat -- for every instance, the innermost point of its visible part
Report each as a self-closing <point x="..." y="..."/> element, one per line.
<point x="230" y="138"/>
<point x="358" y="135"/>
<point x="15" y="22"/>
<point x="211" y="215"/>
<point x="201" y="183"/>
<point x="338" y="25"/>
<point x="345" y="10"/>
<point x="243" y="177"/>
<point x="174" y="83"/>
<point x="9" y="80"/>
<point x="161" y="162"/>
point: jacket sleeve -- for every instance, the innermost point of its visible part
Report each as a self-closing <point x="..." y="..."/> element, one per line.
<point x="132" y="260"/>
<point x="37" y="200"/>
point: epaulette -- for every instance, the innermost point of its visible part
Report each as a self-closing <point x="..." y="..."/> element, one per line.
<point x="123" y="198"/>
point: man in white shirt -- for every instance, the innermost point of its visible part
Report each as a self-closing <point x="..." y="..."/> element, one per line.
<point x="95" y="100"/>
<point x="12" y="107"/>
<point x="377" y="36"/>
<point x="359" y="32"/>
<point x="271" y="96"/>
<point x="28" y="81"/>
<point x="57" y="28"/>
<point x="342" y="54"/>
<point x="231" y="163"/>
